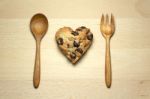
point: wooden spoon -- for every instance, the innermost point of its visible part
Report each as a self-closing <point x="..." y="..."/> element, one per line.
<point x="38" y="27"/>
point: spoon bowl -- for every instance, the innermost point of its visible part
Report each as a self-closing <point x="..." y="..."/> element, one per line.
<point x="38" y="27"/>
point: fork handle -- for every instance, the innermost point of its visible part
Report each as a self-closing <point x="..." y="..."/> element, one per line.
<point x="108" y="78"/>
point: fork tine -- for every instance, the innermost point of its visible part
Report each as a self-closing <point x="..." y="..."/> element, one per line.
<point x="102" y="19"/>
<point x="107" y="19"/>
<point x="112" y="20"/>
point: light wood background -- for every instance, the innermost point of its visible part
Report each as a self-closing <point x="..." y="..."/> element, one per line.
<point x="130" y="50"/>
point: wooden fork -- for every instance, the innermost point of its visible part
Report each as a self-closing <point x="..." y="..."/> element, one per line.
<point x="107" y="27"/>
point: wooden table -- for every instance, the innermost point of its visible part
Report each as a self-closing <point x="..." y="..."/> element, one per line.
<point x="130" y="50"/>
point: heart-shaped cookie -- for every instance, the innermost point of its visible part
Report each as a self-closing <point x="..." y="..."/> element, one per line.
<point x="74" y="44"/>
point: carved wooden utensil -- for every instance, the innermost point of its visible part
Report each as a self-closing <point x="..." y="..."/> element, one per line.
<point x="38" y="26"/>
<point x="107" y="28"/>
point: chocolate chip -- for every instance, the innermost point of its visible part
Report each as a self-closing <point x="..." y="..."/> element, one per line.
<point x="89" y="36"/>
<point x="82" y="27"/>
<point x="60" y="41"/>
<point x="76" y="43"/>
<point x="78" y="29"/>
<point x="75" y="33"/>
<point x="73" y="55"/>
<point x="79" y="50"/>
<point x="68" y="45"/>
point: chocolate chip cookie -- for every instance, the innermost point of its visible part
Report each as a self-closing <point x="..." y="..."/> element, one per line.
<point x="74" y="43"/>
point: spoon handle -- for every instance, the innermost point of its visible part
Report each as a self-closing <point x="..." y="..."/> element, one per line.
<point x="36" y="75"/>
<point x="108" y="78"/>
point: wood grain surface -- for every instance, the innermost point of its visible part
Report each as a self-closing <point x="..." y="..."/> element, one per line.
<point x="130" y="50"/>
